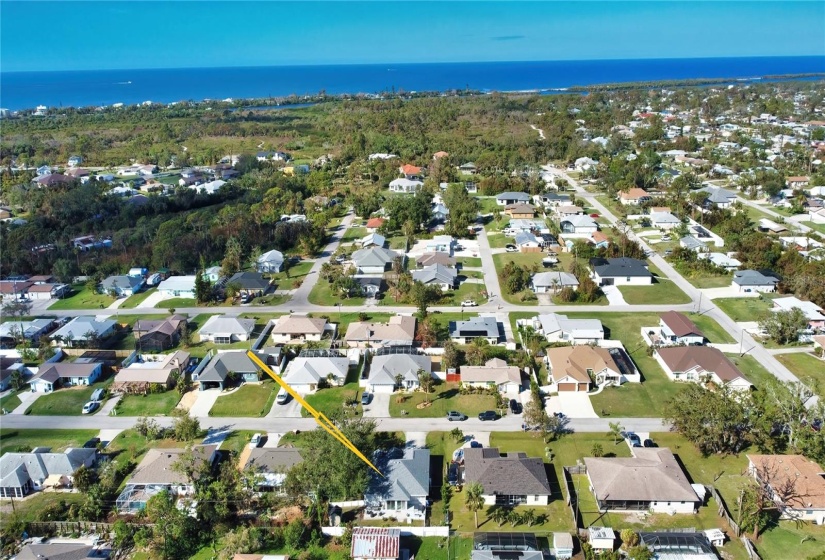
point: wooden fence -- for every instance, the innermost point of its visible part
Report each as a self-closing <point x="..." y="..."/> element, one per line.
<point x="723" y="511"/>
<point x="572" y="498"/>
<point x="749" y="548"/>
<point x="69" y="527"/>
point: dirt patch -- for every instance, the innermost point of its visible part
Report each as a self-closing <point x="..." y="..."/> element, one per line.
<point x="188" y="400"/>
<point x="287" y="515"/>
<point x="424" y="404"/>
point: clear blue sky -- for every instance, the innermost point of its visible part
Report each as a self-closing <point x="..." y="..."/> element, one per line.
<point x="112" y="35"/>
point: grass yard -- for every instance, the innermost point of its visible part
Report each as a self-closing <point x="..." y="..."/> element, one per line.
<point x="177" y="303"/>
<point x="137" y="299"/>
<point x="332" y="399"/>
<point x="293" y="277"/>
<point x="446" y="397"/>
<point x="467" y="290"/>
<point x="83" y="298"/>
<point x="345" y="318"/>
<point x="35" y="507"/>
<point x="633" y="399"/>
<point x="67" y="401"/>
<point x="250" y="400"/>
<point x="743" y="309"/>
<point x="704" y="280"/>
<point x="58" y="440"/>
<point x="752" y="369"/>
<point x="321" y="294"/>
<point x="663" y="291"/>
<point x="499" y="240"/>
<point x="712" y="330"/>
<point x="808" y="368"/>
<point x="157" y="404"/>
<point x="12" y="400"/>
<point x="237" y="440"/>
<point x="471" y="262"/>
<point x="353" y="234"/>
<point x="816" y="227"/>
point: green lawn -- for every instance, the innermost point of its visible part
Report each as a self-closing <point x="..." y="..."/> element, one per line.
<point x="237" y="440"/>
<point x="294" y="277"/>
<point x="499" y="240"/>
<point x="467" y="290"/>
<point x="332" y="399"/>
<point x="712" y="330"/>
<point x="446" y="397"/>
<point x="177" y="303"/>
<point x="354" y="234"/>
<point x="67" y="401"/>
<point x="36" y="506"/>
<point x="58" y="440"/>
<point x="344" y="319"/>
<point x="808" y="368"/>
<point x="471" y="262"/>
<point x="12" y="400"/>
<point x="83" y="298"/>
<point x="321" y="294"/>
<point x="816" y="227"/>
<point x="157" y="404"/>
<point x="704" y="280"/>
<point x="663" y="291"/>
<point x="632" y="399"/>
<point x="252" y="399"/>
<point x="743" y="309"/>
<point x="137" y="299"/>
<point x="752" y="369"/>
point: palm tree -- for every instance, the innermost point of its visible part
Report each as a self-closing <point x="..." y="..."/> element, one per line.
<point x="529" y="517"/>
<point x="499" y="515"/>
<point x="474" y="499"/>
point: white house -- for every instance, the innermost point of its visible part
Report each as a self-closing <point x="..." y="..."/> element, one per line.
<point x="79" y="329"/>
<point x="664" y="220"/>
<point x="578" y="226"/>
<point x="753" y="281"/>
<point x="306" y="374"/>
<point x="404" y="185"/>
<point x="373" y="240"/>
<point x="226" y="330"/>
<point x="527" y="242"/>
<point x="509" y="479"/>
<point x="700" y="363"/>
<point x="553" y="281"/>
<point x="601" y="538"/>
<point x="436" y="275"/>
<point x="178" y="287"/>
<point x="676" y="328"/>
<point x="634" y="196"/>
<point x="494" y="373"/>
<point x="813" y="312"/>
<point x="622" y="271"/>
<point x="559" y="328"/>
<point x="722" y="260"/>
<point x="441" y="244"/>
<point x="121" y="286"/>
<point x="271" y="261"/>
<point x="509" y="197"/>
<point x="385" y="369"/>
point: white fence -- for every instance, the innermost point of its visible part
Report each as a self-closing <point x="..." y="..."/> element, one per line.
<point x="350" y="504"/>
<point x="439" y="531"/>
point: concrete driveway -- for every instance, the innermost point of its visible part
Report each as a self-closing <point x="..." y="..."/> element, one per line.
<point x="416" y="439"/>
<point x="204" y="402"/>
<point x="572" y="405"/>
<point x="153" y="299"/>
<point x="292" y="409"/>
<point x="614" y="296"/>
<point x="379" y="407"/>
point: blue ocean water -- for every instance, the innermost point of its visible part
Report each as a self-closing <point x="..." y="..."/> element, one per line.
<point x="19" y="90"/>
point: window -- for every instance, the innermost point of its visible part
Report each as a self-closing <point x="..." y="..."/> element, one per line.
<point x="627" y="279"/>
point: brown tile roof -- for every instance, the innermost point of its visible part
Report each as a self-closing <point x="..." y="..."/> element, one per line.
<point x="398" y="328"/>
<point x="428" y="259"/>
<point x="157" y="466"/>
<point x="494" y="371"/>
<point x="711" y="360"/>
<point x="9" y="287"/>
<point x="808" y="477"/>
<point x="680" y="324"/>
<point x="375" y="222"/>
<point x="574" y="361"/>
<point x="634" y="194"/>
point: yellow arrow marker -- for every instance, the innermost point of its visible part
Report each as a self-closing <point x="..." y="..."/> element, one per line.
<point x="322" y="420"/>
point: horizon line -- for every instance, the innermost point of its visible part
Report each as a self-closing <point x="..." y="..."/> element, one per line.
<point x="317" y="65"/>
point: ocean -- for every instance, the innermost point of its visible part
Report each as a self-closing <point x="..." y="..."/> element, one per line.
<point x="21" y="90"/>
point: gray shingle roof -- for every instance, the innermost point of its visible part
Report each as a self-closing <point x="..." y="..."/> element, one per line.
<point x="227" y="325"/>
<point x="79" y="326"/>
<point x="272" y="460"/>
<point x="249" y="281"/>
<point x="384" y="368"/>
<point x="220" y="365"/>
<point x="752" y="278"/>
<point x="513" y="196"/>
<point x="513" y="474"/>
<point x="17" y="468"/>
<point x="435" y="273"/>
<point x="622" y="266"/>
<point x="404" y="478"/>
<point x="373" y="256"/>
<point x="122" y="282"/>
<point x="57" y="551"/>
<point x="477" y="326"/>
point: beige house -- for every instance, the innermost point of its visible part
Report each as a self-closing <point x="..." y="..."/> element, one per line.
<point x="797" y="485"/>
<point x="398" y="331"/>
<point x="496" y="373"/>
<point x="634" y="196"/>
<point x="296" y="329"/>
<point x="157" y="369"/>
<point x="573" y="368"/>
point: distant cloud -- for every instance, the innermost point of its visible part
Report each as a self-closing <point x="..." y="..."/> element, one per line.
<point x="509" y="37"/>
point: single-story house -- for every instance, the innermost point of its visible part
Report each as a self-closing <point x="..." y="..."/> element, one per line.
<point x="8" y="366"/>
<point x="386" y="367"/>
<point x="797" y="182"/>
<point x="80" y="329"/>
<point x="249" y="283"/>
<point x="558" y="328"/>
<point x="427" y="259"/>
<point x="690" y="242"/>
<point x="375" y="543"/>
<point x="159" y="369"/>
<point x="508" y="479"/>
<point x="796" y="483"/>
<point x="651" y="480"/>
<point x="371" y="286"/>
<point x="404" y="185"/>
<point x="59" y="551"/>
<point x="398" y="331"/>
<point x="813" y="312"/>
<point x="156" y="473"/>
<point x="436" y="275"/>
<point x="599" y="240"/>
<point x="178" y="287"/>
<point x="495" y="372"/>
<point x="441" y="244"/>
<point x="306" y="374"/>
<point x="405" y="484"/>
<point x="527" y="242"/>
<point x="298" y="329"/>
<point x="634" y="196"/>
<point x="50" y="376"/>
<point x="271" y="464"/>
<point x="216" y="372"/>
<point x="676" y="328"/>
<point x="226" y="330"/>
<point x="121" y="286"/>
<point x="567" y="210"/>
<point x="664" y="220"/>
<point x="410" y="171"/>
<point x="554" y="199"/>
<point x="440" y="213"/>
<point x="48" y="291"/>
<point x="12" y="289"/>
<point x="574" y="368"/>
<point x="271" y="261"/>
<point x="213" y="273"/>
<point x="520" y="210"/>
<point x="553" y="281"/>
<point x="517" y="225"/>
<point x="722" y="260"/>
<point x="373" y="260"/>
<point x="158" y="335"/>
<point x="699" y="364"/>
<point x="578" y="225"/>
<point x="621" y="271"/>
<point x="373" y="224"/>
<point x="507" y="198"/>
<point x="719" y="197"/>
<point x="24" y="473"/>
<point x="562" y="546"/>
<point x="754" y="281"/>
<point x="32" y="330"/>
<point x="373" y="240"/>
<point x="464" y="332"/>
<point x="468" y="168"/>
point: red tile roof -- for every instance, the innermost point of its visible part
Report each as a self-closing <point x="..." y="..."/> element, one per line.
<point x="375" y="222"/>
<point x="408" y="169"/>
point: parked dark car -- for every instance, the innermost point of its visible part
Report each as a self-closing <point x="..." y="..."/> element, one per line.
<point x="515" y="406"/>
<point x="634" y="440"/>
<point x="488" y="415"/>
<point x="649" y="443"/>
<point x="476" y="445"/>
<point x="366" y="398"/>
<point x="454" y="416"/>
<point x="452" y="474"/>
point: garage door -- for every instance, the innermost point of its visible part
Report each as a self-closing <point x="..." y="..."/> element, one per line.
<point x="567" y="386"/>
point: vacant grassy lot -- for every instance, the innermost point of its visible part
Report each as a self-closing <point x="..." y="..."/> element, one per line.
<point x="321" y="294"/>
<point x="57" y="440"/>
<point x="83" y="298"/>
<point x="68" y="401"/>
<point x="137" y="299"/>
<point x="177" y="303"/>
<point x="445" y="398"/>
<point x="34" y="507"/>
<point x="251" y="399"/>
<point x="663" y="291"/>
<point x="808" y="368"/>
<point x="157" y="404"/>
<point x="743" y="309"/>
<point x="704" y="280"/>
<point x="471" y="262"/>
<point x="292" y="278"/>
<point x="353" y="234"/>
